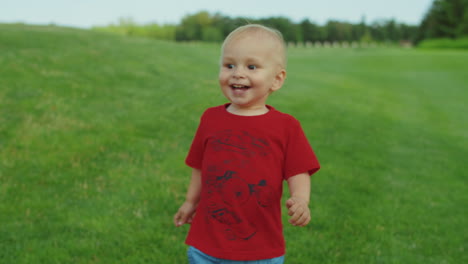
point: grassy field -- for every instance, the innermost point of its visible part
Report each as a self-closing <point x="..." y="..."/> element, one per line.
<point x="94" y="129"/>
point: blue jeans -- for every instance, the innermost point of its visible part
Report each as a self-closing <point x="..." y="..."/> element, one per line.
<point x="195" y="256"/>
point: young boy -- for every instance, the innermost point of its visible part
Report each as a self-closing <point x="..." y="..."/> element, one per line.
<point x="241" y="153"/>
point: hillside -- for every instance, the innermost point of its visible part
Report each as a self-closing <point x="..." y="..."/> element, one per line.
<point x="94" y="129"/>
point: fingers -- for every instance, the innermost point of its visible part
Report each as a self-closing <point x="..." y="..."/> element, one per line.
<point x="184" y="215"/>
<point x="179" y="219"/>
<point x="300" y="219"/>
<point x="299" y="212"/>
<point x="290" y="202"/>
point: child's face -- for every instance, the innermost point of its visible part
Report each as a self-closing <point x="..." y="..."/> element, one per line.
<point x="250" y="70"/>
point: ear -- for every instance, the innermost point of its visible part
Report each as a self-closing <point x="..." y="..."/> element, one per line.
<point x="279" y="80"/>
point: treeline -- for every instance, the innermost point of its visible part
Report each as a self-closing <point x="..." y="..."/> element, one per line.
<point x="203" y="26"/>
<point x="444" y="19"/>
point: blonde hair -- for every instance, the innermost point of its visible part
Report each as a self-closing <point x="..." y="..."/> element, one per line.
<point x="263" y="30"/>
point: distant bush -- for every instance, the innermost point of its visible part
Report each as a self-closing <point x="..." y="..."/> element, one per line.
<point x="126" y="26"/>
<point x="444" y="43"/>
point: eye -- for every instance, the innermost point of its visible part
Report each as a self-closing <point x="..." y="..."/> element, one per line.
<point x="252" y="67"/>
<point x="229" y="66"/>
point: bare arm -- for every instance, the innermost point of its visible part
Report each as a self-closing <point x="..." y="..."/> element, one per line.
<point x="186" y="212"/>
<point x="298" y="204"/>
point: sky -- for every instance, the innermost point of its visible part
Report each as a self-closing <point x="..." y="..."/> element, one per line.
<point x="88" y="13"/>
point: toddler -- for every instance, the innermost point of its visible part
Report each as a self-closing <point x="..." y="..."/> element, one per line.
<point x="240" y="155"/>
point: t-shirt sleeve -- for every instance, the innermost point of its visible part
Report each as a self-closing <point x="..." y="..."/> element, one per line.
<point x="299" y="156"/>
<point x="195" y="155"/>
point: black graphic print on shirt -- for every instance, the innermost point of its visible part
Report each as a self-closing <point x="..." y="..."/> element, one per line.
<point x="228" y="190"/>
<point x="240" y="142"/>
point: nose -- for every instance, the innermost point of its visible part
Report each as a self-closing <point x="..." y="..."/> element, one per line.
<point x="238" y="73"/>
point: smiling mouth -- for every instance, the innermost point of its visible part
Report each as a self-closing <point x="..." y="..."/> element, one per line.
<point x="239" y="87"/>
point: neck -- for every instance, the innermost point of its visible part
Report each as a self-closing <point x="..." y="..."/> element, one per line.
<point x="247" y="111"/>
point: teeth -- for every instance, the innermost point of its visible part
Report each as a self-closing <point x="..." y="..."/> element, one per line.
<point x="236" y="86"/>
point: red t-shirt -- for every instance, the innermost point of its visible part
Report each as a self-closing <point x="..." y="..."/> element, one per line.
<point x="244" y="160"/>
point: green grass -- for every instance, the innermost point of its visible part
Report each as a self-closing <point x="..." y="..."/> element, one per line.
<point x="94" y="129"/>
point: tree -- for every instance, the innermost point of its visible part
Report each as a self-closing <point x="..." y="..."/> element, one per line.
<point x="358" y="31"/>
<point x="191" y="27"/>
<point x="310" y="31"/>
<point x="226" y="24"/>
<point x="408" y="32"/>
<point x="212" y="34"/>
<point x="338" y="31"/>
<point x="445" y="19"/>
<point x="290" y="31"/>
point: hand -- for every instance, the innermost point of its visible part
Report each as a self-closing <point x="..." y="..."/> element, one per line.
<point x="185" y="214"/>
<point x="299" y="211"/>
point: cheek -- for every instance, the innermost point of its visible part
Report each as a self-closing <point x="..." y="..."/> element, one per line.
<point x="223" y="77"/>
